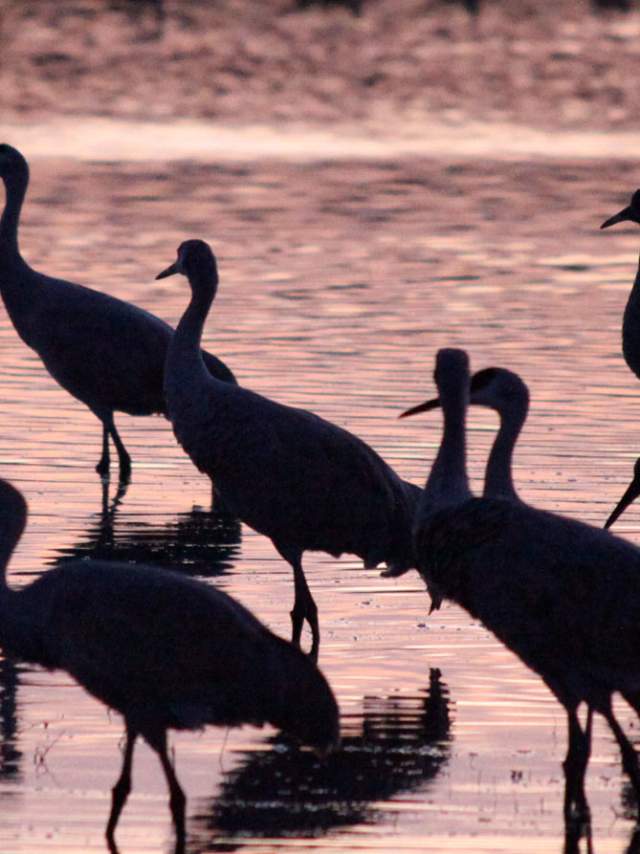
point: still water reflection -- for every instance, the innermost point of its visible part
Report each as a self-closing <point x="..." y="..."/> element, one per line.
<point x="200" y="542"/>
<point x="401" y="745"/>
<point x="339" y="281"/>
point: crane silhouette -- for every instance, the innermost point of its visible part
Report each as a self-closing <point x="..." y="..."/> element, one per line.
<point x="505" y="392"/>
<point x="164" y="650"/>
<point x="562" y="595"/>
<point x="107" y="353"/>
<point x="304" y="482"/>
<point x="630" y="345"/>
<point x="631" y="318"/>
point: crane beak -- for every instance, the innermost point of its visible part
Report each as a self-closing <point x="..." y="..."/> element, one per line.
<point x="170" y="271"/>
<point x="421" y="407"/>
<point x="632" y="492"/>
<point x="624" y="215"/>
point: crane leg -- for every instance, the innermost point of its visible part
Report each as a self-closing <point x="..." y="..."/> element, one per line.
<point x="123" y="457"/>
<point x="103" y="466"/>
<point x="120" y="791"/>
<point x="304" y="608"/>
<point x="157" y="740"/>
<point x="629" y="755"/>
<point x="575" y="765"/>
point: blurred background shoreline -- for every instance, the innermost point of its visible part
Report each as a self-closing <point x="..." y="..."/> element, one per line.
<point x="400" y="67"/>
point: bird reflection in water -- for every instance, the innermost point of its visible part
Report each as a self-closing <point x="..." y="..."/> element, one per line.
<point x="10" y="755"/>
<point x="403" y="743"/>
<point x="578" y="832"/>
<point x="200" y="542"/>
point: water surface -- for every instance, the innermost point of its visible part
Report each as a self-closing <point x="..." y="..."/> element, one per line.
<point x="340" y="278"/>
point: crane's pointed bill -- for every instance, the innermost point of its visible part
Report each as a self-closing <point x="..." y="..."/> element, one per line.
<point x="632" y="492"/>
<point x="421" y="407"/>
<point x="170" y="271"/>
<point x="622" y="216"/>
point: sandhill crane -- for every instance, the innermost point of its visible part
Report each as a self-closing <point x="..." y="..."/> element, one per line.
<point x="162" y="649"/>
<point x="631" y="319"/>
<point x="562" y="595"/>
<point x="107" y="353"/>
<point x="287" y="473"/>
<point x="505" y="392"/>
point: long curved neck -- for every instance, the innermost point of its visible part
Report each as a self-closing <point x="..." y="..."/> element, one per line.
<point x="448" y="483"/>
<point x="184" y="357"/>
<point x="498" y="479"/>
<point x="631" y="327"/>
<point x="13" y="518"/>
<point x="15" y="185"/>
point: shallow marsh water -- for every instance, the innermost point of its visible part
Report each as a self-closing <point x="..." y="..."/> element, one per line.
<point x="339" y="281"/>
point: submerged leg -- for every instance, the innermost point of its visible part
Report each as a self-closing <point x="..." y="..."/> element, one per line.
<point x="629" y="755"/>
<point x="120" y="791"/>
<point x="103" y="466"/>
<point x="123" y="457"/>
<point x="157" y="740"/>
<point x="575" y="766"/>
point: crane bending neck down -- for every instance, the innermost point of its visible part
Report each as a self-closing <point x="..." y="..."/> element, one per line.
<point x="194" y="656"/>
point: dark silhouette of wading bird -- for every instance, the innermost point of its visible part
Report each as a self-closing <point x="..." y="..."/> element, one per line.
<point x="107" y="353"/>
<point x="630" y="342"/>
<point x="305" y="483"/>
<point x="162" y="649"/>
<point x="504" y="392"/>
<point x="631" y="318"/>
<point x="562" y="595"/>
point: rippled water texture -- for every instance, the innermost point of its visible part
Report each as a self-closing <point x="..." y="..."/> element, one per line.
<point x="339" y="281"/>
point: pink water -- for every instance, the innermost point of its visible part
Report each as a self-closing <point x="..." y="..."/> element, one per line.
<point x="340" y="278"/>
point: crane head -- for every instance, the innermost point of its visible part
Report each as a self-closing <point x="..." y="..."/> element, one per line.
<point x="629" y="496"/>
<point x="495" y="388"/>
<point x="499" y="389"/>
<point x="629" y="214"/>
<point x="452" y="368"/>
<point x="195" y="260"/>
<point x="11" y="161"/>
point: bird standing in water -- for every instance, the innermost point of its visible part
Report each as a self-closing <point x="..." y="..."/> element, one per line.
<point x="504" y="392"/>
<point x="562" y="595"/>
<point x="630" y="344"/>
<point x="304" y="482"/>
<point x="163" y="650"/>
<point x="107" y="353"/>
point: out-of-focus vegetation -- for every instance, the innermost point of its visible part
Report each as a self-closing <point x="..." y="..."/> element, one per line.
<point x="567" y="63"/>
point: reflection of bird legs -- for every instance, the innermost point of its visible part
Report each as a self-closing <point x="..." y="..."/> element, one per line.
<point x="108" y="510"/>
<point x="574" y="832"/>
<point x="629" y="755"/>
